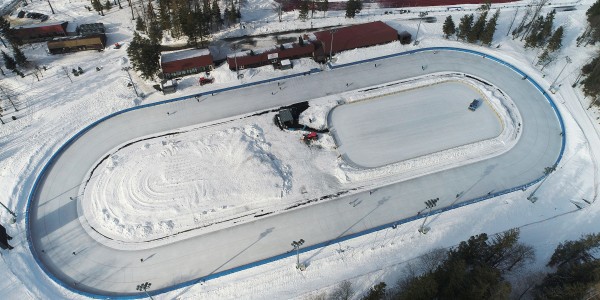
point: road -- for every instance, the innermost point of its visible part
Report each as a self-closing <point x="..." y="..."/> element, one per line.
<point x="66" y="252"/>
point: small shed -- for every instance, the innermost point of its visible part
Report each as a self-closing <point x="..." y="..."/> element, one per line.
<point x="285" y="64"/>
<point x="405" y="37"/>
<point x="185" y="62"/>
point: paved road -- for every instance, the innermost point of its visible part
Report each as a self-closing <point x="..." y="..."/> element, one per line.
<point x="55" y="231"/>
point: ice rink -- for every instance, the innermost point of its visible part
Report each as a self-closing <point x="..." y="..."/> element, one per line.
<point x="82" y="260"/>
<point x="392" y="128"/>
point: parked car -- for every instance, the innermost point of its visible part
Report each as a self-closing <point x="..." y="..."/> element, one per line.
<point x="475" y="104"/>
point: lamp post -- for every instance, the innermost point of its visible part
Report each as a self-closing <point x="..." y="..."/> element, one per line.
<point x="331" y="46"/>
<point x="555" y="79"/>
<point x="143" y="288"/>
<point x="417" y="36"/>
<point x="126" y="69"/>
<point x="296" y="245"/>
<point x="547" y="172"/>
<point x="429" y="204"/>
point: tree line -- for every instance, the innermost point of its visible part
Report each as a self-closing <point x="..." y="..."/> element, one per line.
<point x="471" y="30"/>
<point x="591" y="70"/>
<point x="479" y="267"/>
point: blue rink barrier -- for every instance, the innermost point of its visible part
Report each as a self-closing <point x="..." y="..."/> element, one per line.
<point x="308" y="248"/>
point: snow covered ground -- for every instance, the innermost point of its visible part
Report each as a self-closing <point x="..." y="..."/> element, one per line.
<point x="54" y="109"/>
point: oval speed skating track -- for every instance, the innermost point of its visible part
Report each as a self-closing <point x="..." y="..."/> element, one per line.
<point x="97" y="269"/>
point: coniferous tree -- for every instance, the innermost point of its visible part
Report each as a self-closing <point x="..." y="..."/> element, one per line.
<point x="555" y="41"/>
<point x="9" y="62"/>
<point x="139" y="25"/>
<point x="353" y="7"/>
<point x="531" y="41"/>
<point x="577" y="270"/>
<point x="164" y="16"/>
<point x="593" y="18"/>
<point x="303" y="10"/>
<point x="466" y="23"/>
<point x="20" y="58"/>
<point x="154" y="31"/>
<point x="376" y="292"/>
<point x="490" y="28"/>
<point x="5" y="31"/>
<point x="546" y="28"/>
<point x="324" y="6"/>
<point x="449" y="28"/>
<point x="477" y="29"/>
<point x="144" y="55"/>
<point x="98" y="7"/>
<point x="216" y="14"/>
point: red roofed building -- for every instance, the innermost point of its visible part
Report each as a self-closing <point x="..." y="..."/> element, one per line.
<point x="352" y="37"/>
<point x="185" y="62"/>
<point x="40" y="32"/>
<point x="257" y="58"/>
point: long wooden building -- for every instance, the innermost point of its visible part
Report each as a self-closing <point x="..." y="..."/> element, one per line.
<point x="262" y="57"/>
<point x="77" y="43"/>
<point x="40" y="32"/>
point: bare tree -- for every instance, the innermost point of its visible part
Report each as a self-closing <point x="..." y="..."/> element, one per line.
<point x="343" y="291"/>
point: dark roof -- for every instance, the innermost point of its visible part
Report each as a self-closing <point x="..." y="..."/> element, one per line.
<point x="356" y="36"/>
<point x="285" y="115"/>
<point x="92" y="28"/>
<point x="184" y="60"/>
<point x="261" y="56"/>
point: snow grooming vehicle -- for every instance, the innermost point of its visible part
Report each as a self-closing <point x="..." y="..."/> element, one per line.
<point x="475" y="104"/>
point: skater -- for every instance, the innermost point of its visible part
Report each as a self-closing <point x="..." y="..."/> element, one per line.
<point x="423" y="68"/>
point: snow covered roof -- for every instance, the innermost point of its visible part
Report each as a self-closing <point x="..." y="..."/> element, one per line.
<point x="183" y="54"/>
<point x="37" y="25"/>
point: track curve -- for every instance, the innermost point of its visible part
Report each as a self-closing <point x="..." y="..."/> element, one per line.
<point x="67" y="254"/>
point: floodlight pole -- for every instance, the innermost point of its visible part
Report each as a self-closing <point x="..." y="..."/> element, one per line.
<point x="126" y="69"/>
<point x="296" y="245"/>
<point x="144" y="287"/>
<point x="555" y="79"/>
<point x="331" y="45"/>
<point x="547" y="172"/>
<point x="417" y="36"/>
<point x="430" y="204"/>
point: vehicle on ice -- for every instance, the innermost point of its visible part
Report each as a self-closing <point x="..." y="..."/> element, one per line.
<point x="475" y="104"/>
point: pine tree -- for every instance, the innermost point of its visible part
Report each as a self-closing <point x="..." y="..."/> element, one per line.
<point x="531" y="41"/>
<point x="490" y="28"/>
<point x="546" y="28"/>
<point x="98" y="7"/>
<point x="324" y="6"/>
<point x="20" y="58"/>
<point x="466" y="23"/>
<point x="139" y="25"/>
<point x="449" y="27"/>
<point x="5" y="31"/>
<point x="154" y="31"/>
<point x="164" y="16"/>
<point x="477" y="29"/>
<point x="555" y="41"/>
<point x="303" y="10"/>
<point x="216" y="14"/>
<point x="377" y="292"/>
<point x="353" y="7"/>
<point x="107" y="5"/>
<point x="9" y="62"/>
<point x="144" y="55"/>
